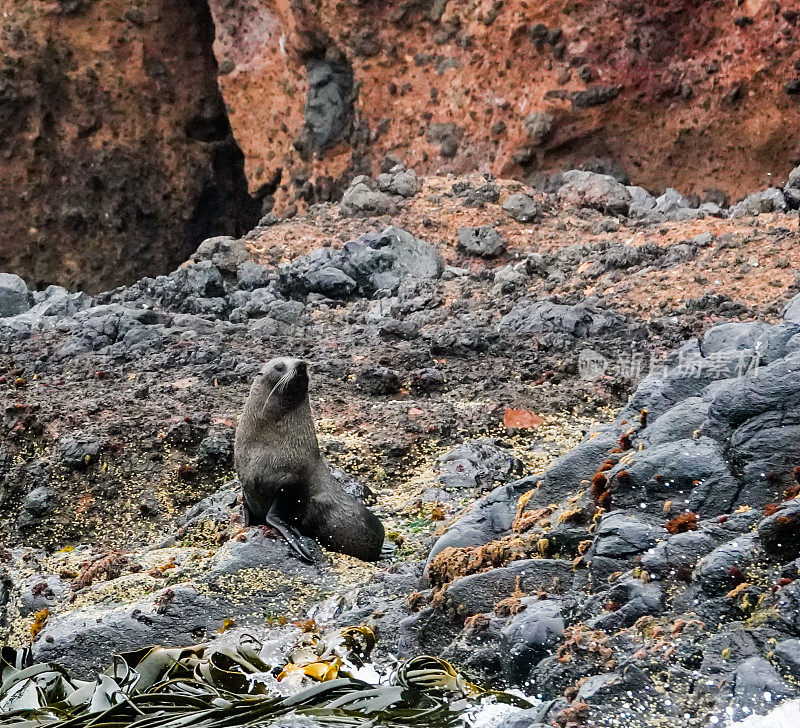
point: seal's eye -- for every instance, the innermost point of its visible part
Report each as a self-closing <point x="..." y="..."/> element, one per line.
<point x="280" y="367"/>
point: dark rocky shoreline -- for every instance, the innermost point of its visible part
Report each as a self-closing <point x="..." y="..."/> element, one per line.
<point x="656" y="559"/>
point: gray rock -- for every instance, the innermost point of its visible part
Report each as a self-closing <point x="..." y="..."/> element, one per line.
<point x="487" y="519"/>
<point x="216" y="508"/>
<point x="787" y="654"/>
<point x="250" y="275"/>
<point x="791" y="311"/>
<point x="399" y="181"/>
<point x="599" y="191"/>
<point x="374" y="262"/>
<point x="224" y="252"/>
<point x="58" y="301"/>
<point x="331" y="281"/>
<point x="671" y="201"/>
<point x="718" y="571"/>
<point x="771" y="200"/>
<point x="642" y="202"/>
<point x="483" y="241"/>
<point x="40" y="592"/>
<point x="14" y="295"/>
<point x="480" y="464"/>
<point x="530" y="636"/>
<point x="757" y="687"/>
<point x="521" y="208"/>
<point x="360" y="200"/>
<point x="636" y="600"/>
<point x="580" y="320"/>
<point x="538" y="124"/>
<point x="78" y="451"/>
<point x="329" y="103"/>
<point x="38" y="502"/>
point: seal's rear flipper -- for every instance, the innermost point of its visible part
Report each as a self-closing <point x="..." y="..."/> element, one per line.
<point x="292" y="536"/>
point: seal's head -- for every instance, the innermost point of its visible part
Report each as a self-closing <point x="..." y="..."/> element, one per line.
<point x="281" y="386"/>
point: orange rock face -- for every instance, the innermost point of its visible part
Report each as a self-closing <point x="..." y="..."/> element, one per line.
<point x="695" y="94"/>
<point x="116" y="157"/>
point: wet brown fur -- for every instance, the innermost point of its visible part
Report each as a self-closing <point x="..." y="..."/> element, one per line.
<point x="280" y="467"/>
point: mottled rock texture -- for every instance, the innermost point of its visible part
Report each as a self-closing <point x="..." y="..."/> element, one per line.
<point x="116" y="153"/>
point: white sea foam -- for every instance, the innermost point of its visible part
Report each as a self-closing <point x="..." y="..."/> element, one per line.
<point x="786" y="715"/>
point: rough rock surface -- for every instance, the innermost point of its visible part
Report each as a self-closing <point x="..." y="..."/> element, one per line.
<point x="636" y="560"/>
<point x="669" y="92"/>
<point x="117" y="155"/>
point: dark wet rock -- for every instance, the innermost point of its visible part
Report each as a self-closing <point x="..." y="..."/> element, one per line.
<point x="83" y="641"/>
<point x="598" y="191"/>
<point x="725" y="567"/>
<point x="78" y="451"/>
<point x="787" y="656"/>
<point x="15" y="298"/>
<point x="692" y="473"/>
<point x="632" y="600"/>
<point x="780" y="533"/>
<point x="483" y="241"/>
<point x="488" y="519"/>
<point x="620" y="537"/>
<point x="479" y="593"/>
<point x="360" y="200"/>
<point x="521" y="208"/>
<point x="530" y="636"/>
<point x="480" y="464"/>
<point x="379" y="380"/>
<point x="757" y="687"/>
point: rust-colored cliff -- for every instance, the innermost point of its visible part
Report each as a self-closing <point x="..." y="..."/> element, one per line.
<point x="116" y="156"/>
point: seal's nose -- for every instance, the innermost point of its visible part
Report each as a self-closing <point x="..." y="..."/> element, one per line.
<point x="301" y="367"/>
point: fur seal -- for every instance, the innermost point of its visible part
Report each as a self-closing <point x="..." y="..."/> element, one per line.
<point x="285" y="481"/>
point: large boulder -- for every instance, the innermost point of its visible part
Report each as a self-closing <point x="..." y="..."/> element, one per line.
<point x="370" y="263"/>
<point x="15" y="298"/>
<point x="599" y="191"/>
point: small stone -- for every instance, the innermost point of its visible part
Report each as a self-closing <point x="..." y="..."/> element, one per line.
<point x="521" y="208"/>
<point x="483" y="241"/>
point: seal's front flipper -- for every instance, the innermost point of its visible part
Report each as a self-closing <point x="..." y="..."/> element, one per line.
<point x="292" y="536"/>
